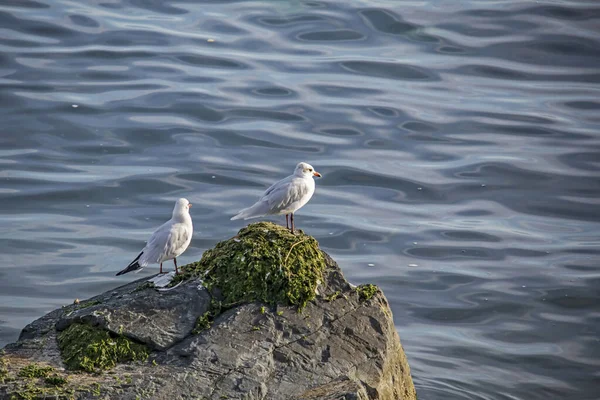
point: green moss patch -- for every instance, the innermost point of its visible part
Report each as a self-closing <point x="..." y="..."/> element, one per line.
<point x="3" y="369"/>
<point x="56" y="380"/>
<point x="86" y="304"/>
<point x="366" y="292"/>
<point x="144" y="286"/>
<point x="203" y="323"/>
<point x="26" y="380"/>
<point x="35" y="371"/>
<point x="91" y="349"/>
<point x="264" y="262"/>
<point x="333" y="296"/>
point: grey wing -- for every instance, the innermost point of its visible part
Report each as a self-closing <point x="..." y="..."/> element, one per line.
<point x="157" y="245"/>
<point x="277" y="186"/>
<point x="178" y="241"/>
<point x="285" y="192"/>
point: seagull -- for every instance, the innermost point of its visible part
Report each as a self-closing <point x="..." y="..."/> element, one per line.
<point x="285" y="197"/>
<point x="168" y="242"/>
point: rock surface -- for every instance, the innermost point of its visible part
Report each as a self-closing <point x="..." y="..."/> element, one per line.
<point x="342" y="345"/>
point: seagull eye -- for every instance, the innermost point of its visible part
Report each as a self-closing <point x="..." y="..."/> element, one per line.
<point x="310" y="170"/>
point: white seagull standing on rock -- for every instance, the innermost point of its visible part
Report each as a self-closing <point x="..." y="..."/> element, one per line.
<point x="168" y="242"/>
<point x="285" y="197"/>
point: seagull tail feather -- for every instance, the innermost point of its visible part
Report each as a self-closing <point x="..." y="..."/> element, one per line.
<point x="257" y="210"/>
<point x="132" y="266"/>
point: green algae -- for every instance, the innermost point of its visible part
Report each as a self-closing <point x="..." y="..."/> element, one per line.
<point x="144" y="286"/>
<point x="92" y="349"/>
<point x="333" y="296"/>
<point x="366" y="292"/>
<point x="86" y="304"/>
<point x="29" y="391"/>
<point x="35" y="381"/>
<point x="29" y="381"/>
<point x="35" y="371"/>
<point x="3" y="368"/>
<point x="96" y="389"/>
<point x="264" y="262"/>
<point x="203" y="323"/>
<point x="55" y="380"/>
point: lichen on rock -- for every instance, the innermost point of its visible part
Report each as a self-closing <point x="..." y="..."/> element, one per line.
<point x="264" y="262"/>
<point x="93" y="349"/>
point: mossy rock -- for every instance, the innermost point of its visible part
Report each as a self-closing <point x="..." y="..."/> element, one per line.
<point x="93" y="349"/>
<point x="264" y="262"/>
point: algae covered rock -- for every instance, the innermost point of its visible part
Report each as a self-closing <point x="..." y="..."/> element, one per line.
<point x="264" y="262"/>
<point x="264" y="315"/>
<point x="91" y="349"/>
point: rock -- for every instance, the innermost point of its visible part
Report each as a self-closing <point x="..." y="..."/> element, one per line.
<point x="222" y="342"/>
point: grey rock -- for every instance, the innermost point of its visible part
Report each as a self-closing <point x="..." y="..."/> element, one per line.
<point x="339" y="347"/>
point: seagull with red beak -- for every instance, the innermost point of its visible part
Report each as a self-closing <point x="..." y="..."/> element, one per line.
<point x="285" y="197"/>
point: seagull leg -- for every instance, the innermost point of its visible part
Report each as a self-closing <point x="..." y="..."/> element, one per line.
<point x="176" y="270"/>
<point x="160" y="269"/>
<point x="292" y="219"/>
<point x="286" y="221"/>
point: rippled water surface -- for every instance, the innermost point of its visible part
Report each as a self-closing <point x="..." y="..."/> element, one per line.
<point x="459" y="143"/>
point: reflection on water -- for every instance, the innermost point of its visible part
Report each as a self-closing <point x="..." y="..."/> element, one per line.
<point x="458" y="141"/>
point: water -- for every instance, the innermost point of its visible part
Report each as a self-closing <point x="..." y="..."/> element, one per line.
<point x="459" y="143"/>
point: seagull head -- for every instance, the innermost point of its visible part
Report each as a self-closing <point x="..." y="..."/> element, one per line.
<point x="305" y="170"/>
<point x="182" y="207"/>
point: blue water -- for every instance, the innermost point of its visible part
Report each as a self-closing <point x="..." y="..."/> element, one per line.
<point x="459" y="143"/>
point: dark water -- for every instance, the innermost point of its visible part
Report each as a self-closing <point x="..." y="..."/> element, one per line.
<point x="459" y="143"/>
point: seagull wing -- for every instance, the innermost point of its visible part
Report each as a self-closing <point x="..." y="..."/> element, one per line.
<point x="178" y="241"/>
<point x="155" y="249"/>
<point x="284" y="193"/>
<point x="279" y="198"/>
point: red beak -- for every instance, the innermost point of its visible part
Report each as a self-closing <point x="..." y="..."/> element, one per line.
<point x="318" y="175"/>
